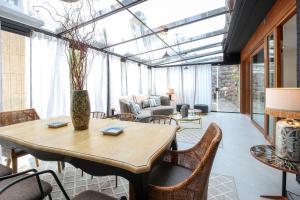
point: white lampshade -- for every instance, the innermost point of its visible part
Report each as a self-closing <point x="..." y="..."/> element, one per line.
<point x="283" y="102"/>
<point x="170" y="91"/>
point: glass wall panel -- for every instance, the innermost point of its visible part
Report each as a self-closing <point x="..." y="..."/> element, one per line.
<point x="271" y="81"/>
<point x="226" y="88"/>
<point x="258" y="88"/>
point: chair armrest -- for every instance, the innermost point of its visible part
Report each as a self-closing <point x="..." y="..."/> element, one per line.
<point x="17" y="174"/>
<point x="37" y="175"/>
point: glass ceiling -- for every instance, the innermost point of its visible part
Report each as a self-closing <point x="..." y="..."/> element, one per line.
<point x="152" y="32"/>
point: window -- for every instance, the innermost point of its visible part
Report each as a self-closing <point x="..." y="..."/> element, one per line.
<point x="258" y="88"/>
<point x="14" y="71"/>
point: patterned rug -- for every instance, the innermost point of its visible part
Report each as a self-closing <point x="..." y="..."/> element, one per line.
<point x="221" y="187"/>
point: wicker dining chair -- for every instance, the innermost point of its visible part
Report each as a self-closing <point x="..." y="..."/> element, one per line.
<point x="4" y="171"/>
<point x="15" y="117"/>
<point x="185" y="174"/>
<point x="162" y="119"/>
<point x="31" y="188"/>
<point x="125" y="116"/>
<point x="98" y="115"/>
<point x="7" y="188"/>
<point x="159" y="119"/>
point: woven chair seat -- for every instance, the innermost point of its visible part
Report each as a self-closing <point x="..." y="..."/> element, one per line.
<point x="25" y="190"/>
<point x="92" y="195"/>
<point x="166" y="174"/>
<point x="4" y="171"/>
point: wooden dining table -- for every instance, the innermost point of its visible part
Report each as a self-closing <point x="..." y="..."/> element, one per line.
<point x="130" y="154"/>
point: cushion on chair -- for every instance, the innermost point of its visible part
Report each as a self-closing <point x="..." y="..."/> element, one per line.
<point x="166" y="174"/>
<point x="92" y="195"/>
<point x="27" y="189"/>
<point x="4" y="171"/>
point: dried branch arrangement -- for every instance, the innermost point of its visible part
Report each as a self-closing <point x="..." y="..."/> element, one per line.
<point x="70" y="18"/>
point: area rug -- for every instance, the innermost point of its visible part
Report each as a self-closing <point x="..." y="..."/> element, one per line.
<point x="221" y="187"/>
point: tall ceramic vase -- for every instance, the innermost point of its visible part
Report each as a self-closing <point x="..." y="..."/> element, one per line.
<point x="80" y="109"/>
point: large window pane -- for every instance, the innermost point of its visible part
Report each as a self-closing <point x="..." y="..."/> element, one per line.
<point x="226" y="88"/>
<point x="271" y="81"/>
<point x="258" y="88"/>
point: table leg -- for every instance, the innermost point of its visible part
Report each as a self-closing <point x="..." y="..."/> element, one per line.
<point x="139" y="188"/>
<point x="283" y="190"/>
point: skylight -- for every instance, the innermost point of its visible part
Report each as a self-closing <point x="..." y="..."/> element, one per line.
<point x="152" y="32"/>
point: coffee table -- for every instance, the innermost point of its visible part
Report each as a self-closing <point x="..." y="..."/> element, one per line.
<point x="190" y="118"/>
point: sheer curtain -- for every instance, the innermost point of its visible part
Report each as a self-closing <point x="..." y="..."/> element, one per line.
<point x="115" y="81"/>
<point x="203" y="86"/>
<point x="191" y="84"/>
<point x="97" y="81"/>
<point x="50" y="81"/>
<point x="159" y="81"/>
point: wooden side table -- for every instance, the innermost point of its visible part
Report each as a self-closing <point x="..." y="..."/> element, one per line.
<point x="266" y="155"/>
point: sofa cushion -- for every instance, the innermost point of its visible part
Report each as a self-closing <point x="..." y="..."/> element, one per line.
<point x="145" y="103"/>
<point x="161" y="110"/>
<point x="144" y="113"/>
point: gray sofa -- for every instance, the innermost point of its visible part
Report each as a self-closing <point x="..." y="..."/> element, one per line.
<point x="163" y="109"/>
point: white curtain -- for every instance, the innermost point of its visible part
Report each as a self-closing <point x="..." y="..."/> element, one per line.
<point x="191" y="84"/>
<point x="144" y="79"/>
<point x="133" y="74"/>
<point x="203" y="87"/>
<point x="97" y="81"/>
<point x="50" y="76"/>
<point x="159" y="81"/>
<point x="115" y="81"/>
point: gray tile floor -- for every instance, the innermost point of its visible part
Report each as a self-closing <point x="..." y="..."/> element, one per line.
<point x="252" y="178"/>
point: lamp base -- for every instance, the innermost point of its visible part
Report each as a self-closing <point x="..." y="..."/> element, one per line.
<point x="287" y="142"/>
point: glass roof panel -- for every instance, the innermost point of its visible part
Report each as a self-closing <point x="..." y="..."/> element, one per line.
<point x="116" y="28"/>
<point x="37" y="13"/>
<point x="199" y="43"/>
<point x="211" y="58"/>
<point x="138" y="46"/>
<point x="156" y="13"/>
<point x="126" y="48"/>
<point x="188" y="56"/>
<point x="179" y="34"/>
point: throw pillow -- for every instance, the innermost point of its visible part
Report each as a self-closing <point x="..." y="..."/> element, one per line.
<point x="152" y="102"/>
<point x="157" y="100"/>
<point x="135" y="108"/>
<point x="146" y="103"/>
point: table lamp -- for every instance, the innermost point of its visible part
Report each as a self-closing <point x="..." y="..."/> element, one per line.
<point x="285" y="103"/>
<point x="170" y="92"/>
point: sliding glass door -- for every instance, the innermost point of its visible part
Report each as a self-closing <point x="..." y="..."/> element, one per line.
<point x="258" y="88"/>
<point x="226" y="88"/>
